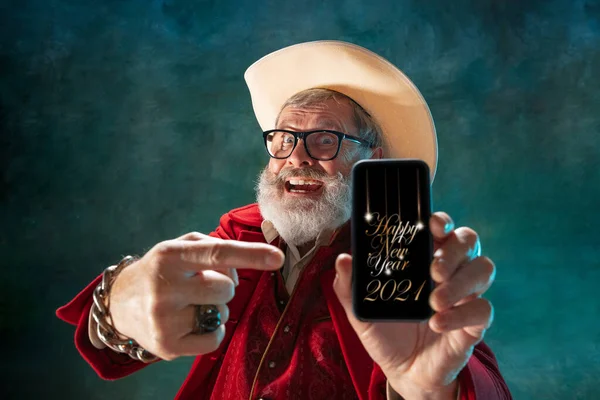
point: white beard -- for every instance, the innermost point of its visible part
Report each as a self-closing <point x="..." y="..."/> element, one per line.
<point x="300" y="220"/>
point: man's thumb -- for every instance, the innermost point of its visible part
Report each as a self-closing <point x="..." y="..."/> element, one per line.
<point x="342" y="285"/>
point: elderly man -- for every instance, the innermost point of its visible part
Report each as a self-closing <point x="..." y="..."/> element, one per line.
<point x="264" y="301"/>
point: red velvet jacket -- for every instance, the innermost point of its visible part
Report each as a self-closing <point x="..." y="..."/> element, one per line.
<point x="480" y="379"/>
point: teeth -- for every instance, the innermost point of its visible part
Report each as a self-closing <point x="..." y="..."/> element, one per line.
<point x="303" y="182"/>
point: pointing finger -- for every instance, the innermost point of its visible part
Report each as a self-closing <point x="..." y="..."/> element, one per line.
<point x="222" y="254"/>
<point x="194" y="236"/>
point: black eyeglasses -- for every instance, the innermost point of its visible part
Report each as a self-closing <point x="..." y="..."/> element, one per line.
<point x="321" y="145"/>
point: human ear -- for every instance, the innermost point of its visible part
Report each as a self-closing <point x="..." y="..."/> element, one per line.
<point x="377" y="153"/>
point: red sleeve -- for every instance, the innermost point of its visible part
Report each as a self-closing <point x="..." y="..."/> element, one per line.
<point x="226" y="230"/>
<point x="107" y="363"/>
<point x="479" y="380"/>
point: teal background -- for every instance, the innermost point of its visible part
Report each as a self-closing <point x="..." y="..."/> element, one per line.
<point x="125" y="123"/>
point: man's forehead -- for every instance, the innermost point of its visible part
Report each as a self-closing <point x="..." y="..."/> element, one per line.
<point x="319" y="120"/>
<point x="338" y="117"/>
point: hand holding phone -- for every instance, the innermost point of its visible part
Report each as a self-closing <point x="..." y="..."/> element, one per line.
<point x="392" y="246"/>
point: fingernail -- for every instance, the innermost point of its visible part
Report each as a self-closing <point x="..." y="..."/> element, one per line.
<point x="273" y="259"/>
<point x="448" y="227"/>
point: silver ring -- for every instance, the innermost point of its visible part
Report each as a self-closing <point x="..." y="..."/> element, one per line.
<point x="207" y="319"/>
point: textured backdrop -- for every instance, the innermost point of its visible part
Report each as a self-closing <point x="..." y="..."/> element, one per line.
<point x="125" y="123"/>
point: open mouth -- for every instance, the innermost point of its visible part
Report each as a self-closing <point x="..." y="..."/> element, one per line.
<point x="302" y="185"/>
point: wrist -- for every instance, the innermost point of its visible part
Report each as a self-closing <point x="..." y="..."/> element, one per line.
<point x="107" y="332"/>
<point x="409" y="391"/>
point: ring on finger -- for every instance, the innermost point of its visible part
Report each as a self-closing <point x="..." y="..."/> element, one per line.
<point x="207" y="318"/>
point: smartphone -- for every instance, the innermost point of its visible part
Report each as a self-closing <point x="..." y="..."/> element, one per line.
<point x="392" y="246"/>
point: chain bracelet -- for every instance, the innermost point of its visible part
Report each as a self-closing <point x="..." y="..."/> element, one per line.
<point x="101" y="314"/>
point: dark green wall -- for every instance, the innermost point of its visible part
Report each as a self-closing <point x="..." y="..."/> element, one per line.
<point x="124" y="123"/>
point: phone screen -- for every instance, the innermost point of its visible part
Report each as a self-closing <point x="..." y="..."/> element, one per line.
<point x="392" y="247"/>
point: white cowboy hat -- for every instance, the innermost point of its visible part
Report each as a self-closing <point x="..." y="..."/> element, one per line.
<point x="373" y="82"/>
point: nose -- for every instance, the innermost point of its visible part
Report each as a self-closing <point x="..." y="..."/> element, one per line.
<point x="299" y="157"/>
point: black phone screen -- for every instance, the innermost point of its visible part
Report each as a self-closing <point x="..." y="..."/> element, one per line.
<point x="391" y="241"/>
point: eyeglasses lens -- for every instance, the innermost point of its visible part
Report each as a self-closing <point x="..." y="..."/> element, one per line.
<point x="321" y="145"/>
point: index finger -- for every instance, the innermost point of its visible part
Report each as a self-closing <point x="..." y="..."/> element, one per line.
<point x="222" y="254"/>
<point x="195" y="236"/>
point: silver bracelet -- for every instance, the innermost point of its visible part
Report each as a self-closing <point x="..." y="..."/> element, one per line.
<point x="101" y="314"/>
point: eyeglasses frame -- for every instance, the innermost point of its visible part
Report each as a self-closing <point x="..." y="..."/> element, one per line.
<point x="302" y="135"/>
